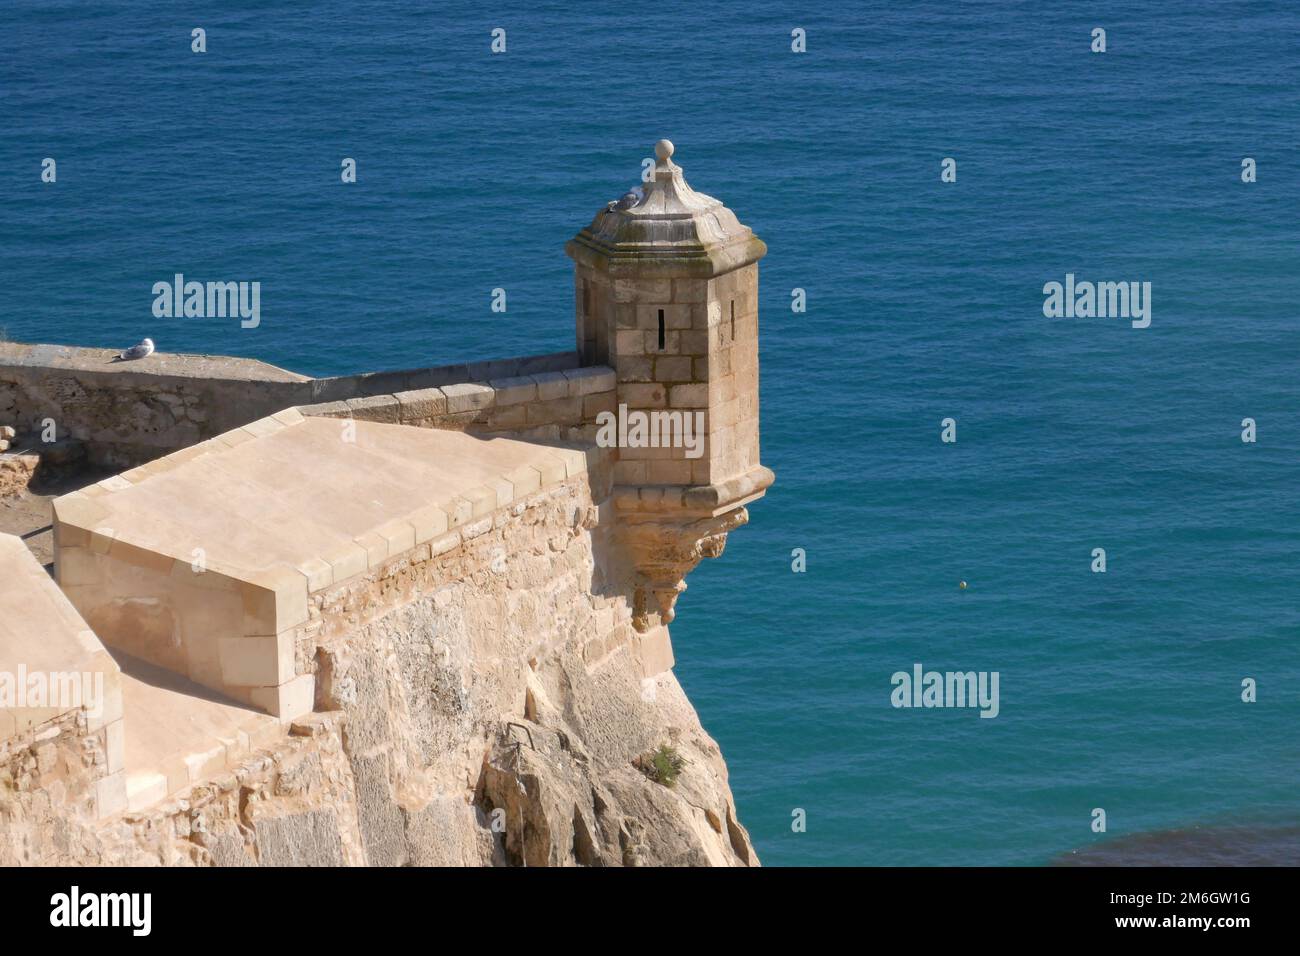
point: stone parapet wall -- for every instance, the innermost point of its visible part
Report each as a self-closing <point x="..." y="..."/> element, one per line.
<point x="343" y="387"/>
<point x="129" y="413"/>
<point x="545" y="405"/>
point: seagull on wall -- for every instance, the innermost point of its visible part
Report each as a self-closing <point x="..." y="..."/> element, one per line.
<point x="145" y="348"/>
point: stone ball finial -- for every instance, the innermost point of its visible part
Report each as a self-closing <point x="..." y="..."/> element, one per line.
<point x="664" y="150"/>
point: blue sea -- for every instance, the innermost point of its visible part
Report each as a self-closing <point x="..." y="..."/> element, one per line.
<point x="1119" y="691"/>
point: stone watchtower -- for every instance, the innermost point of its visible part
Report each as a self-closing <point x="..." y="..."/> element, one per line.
<point x="666" y="289"/>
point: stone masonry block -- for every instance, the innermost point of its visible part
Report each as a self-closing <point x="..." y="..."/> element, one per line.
<point x="261" y="427"/>
<point x="557" y="411"/>
<point x="144" y="789"/>
<point x="376" y="408"/>
<point x="429" y="522"/>
<point x="290" y="700"/>
<point x="376" y="547"/>
<point x="239" y="435"/>
<point x="551" y="385"/>
<point x="115" y="746"/>
<point x="209" y="578"/>
<point x="591" y="379"/>
<point x="290" y="416"/>
<point x="321" y="410"/>
<point x="256" y="661"/>
<point x="552" y="471"/>
<point x="639" y="290"/>
<point x="575" y="461"/>
<point x="629" y="472"/>
<point x="459" y="511"/>
<point x="625" y="315"/>
<point x="468" y="396"/>
<point x="700" y="471"/>
<point x="655" y="652"/>
<point x="483" y="501"/>
<point x="690" y="290"/>
<point x="694" y="342"/>
<point x="630" y="342"/>
<point x="673" y="368"/>
<point x="650" y="395"/>
<point x="319" y="574"/>
<point x="399" y="536"/>
<point x="101" y="538"/>
<point x="667" y="472"/>
<point x="525" y="480"/>
<point x="421" y="404"/>
<point x="593" y="405"/>
<point x="448" y="542"/>
<point x="504" y="490"/>
<point x="689" y="396"/>
<point x="636" y="368"/>
<point x="79" y="511"/>
<point x="69" y="536"/>
<point x="512" y="391"/>
<point x="204" y="764"/>
<point x="274" y="601"/>
<point x="510" y="416"/>
<point x="675" y="316"/>
<point x="110" y="795"/>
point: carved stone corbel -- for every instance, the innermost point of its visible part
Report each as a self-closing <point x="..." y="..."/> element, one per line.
<point x="664" y="551"/>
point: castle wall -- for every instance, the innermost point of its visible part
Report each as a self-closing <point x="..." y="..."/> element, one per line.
<point x="706" y="361"/>
<point x="481" y="698"/>
<point x="559" y="405"/>
<point x="733" y="374"/>
<point x="655" y="376"/>
<point x="204" y="562"/>
<point x="129" y="413"/>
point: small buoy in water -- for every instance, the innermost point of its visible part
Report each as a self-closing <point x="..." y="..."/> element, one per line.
<point x="962" y="585"/>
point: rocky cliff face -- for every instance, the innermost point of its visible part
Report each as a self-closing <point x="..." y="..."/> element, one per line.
<point x="489" y="703"/>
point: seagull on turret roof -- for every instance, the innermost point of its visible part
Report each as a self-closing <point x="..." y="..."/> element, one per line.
<point x="632" y="197"/>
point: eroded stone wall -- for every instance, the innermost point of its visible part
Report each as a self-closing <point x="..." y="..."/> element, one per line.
<point x="127" y="413"/>
<point x="53" y="782"/>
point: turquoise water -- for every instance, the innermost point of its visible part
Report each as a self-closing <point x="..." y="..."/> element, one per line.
<point x="1118" y="690"/>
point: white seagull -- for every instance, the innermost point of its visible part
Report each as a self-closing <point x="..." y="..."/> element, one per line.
<point x="136" y="351"/>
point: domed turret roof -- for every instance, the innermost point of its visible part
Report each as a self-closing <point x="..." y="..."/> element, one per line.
<point x="665" y="228"/>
